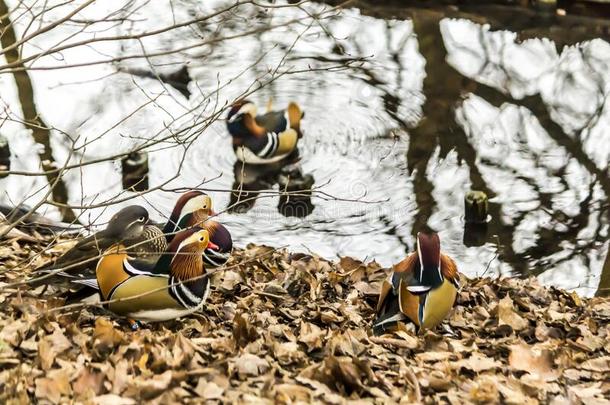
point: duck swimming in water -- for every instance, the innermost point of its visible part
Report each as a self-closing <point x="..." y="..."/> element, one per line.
<point x="266" y="138"/>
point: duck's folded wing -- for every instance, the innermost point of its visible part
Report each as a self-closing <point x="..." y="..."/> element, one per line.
<point x="273" y="121"/>
<point x="81" y="256"/>
<point x="142" y="293"/>
<point x="135" y="267"/>
<point x="450" y="270"/>
<point x="396" y="303"/>
<point x="287" y="141"/>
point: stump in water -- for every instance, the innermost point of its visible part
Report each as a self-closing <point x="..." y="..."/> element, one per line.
<point x="476" y="208"/>
<point x="135" y="171"/>
<point x="5" y="157"/>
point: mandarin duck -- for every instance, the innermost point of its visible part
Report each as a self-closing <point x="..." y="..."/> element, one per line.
<point x="266" y="138"/>
<point x="193" y="209"/>
<point x="129" y="225"/>
<point x="175" y="286"/>
<point x="197" y="211"/>
<point x="149" y="240"/>
<point x="421" y="289"/>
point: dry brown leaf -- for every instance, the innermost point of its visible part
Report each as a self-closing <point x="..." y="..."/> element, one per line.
<point x="587" y="394"/>
<point x="311" y="335"/>
<point x="534" y="360"/>
<point x="14" y="331"/>
<point x="112" y="399"/>
<point x="107" y="337"/>
<point x="291" y="393"/>
<point x="243" y="331"/>
<point x="230" y="280"/>
<point x="87" y="382"/>
<point x="600" y="364"/>
<point x="209" y="390"/>
<point x="507" y="315"/>
<point x="52" y="387"/>
<point x="149" y="388"/>
<point x="183" y="351"/>
<point x="250" y="365"/>
<point x="513" y="394"/>
<point x="485" y="390"/>
<point x="343" y="372"/>
<point x="477" y="363"/>
<point x="50" y="346"/>
<point x="434" y="356"/>
<point x="288" y="353"/>
<point x="411" y="341"/>
<point x="120" y="378"/>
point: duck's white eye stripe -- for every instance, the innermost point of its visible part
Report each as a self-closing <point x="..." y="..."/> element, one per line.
<point x="421" y="260"/>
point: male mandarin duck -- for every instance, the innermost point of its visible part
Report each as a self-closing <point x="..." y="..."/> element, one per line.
<point x="266" y="138"/>
<point x="197" y="211"/>
<point x="192" y="208"/>
<point x="421" y="289"/>
<point x="175" y="286"/>
<point x="130" y="226"/>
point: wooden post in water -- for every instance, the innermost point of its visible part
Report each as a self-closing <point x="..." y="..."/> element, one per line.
<point x="135" y="171"/>
<point x="476" y="211"/>
<point x="603" y="289"/>
<point x="5" y="157"/>
<point x="476" y="207"/>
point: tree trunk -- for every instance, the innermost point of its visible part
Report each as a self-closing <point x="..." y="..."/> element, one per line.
<point x="32" y="120"/>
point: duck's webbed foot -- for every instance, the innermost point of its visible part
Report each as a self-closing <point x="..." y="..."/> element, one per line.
<point x="134" y="324"/>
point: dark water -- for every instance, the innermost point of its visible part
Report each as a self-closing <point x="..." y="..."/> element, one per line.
<point x="403" y="116"/>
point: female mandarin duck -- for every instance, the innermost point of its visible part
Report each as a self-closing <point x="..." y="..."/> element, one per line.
<point x="175" y="286"/>
<point x="421" y="289"/>
<point x="267" y="138"/>
<point x="129" y="225"/>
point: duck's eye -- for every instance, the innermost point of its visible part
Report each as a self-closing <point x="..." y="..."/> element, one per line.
<point x="141" y="219"/>
<point x="201" y="239"/>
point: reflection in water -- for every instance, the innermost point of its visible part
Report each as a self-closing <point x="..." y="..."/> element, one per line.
<point x="436" y="107"/>
<point x="287" y="174"/>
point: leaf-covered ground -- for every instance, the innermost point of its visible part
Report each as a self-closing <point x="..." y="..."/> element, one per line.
<point x="282" y="328"/>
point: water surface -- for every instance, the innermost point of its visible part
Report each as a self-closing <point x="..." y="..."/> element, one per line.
<point x="403" y="116"/>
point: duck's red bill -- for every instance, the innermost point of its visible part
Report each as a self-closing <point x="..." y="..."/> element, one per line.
<point x="213" y="246"/>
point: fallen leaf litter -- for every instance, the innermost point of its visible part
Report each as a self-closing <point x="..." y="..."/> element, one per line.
<point x="290" y="328"/>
